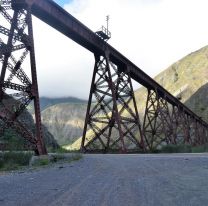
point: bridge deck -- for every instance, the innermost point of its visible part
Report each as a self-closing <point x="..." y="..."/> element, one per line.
<point x="55" y="16"/>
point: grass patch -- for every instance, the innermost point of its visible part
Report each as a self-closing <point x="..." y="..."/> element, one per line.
<point x="76" y="157"/>
<point x="170" y="148"/>
<point x="183" y="148"/>
<point x="18" y="160"/>
<point x="65" y="157"/>
<point x="199" y="149"/>
<point x="41" y="162"/>
<point x="14" y="160"/>
<point x="62" y="150"/>
<point x="54" y="158"/>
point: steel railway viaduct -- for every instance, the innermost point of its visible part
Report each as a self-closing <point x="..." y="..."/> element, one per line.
<point x="112" y="121"/>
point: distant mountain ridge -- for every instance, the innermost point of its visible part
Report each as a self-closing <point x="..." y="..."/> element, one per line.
<point x="46" y="102"/>
<point x="50" y="101"/>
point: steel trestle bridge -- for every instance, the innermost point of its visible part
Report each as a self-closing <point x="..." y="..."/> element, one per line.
<point x="112" y="121"/>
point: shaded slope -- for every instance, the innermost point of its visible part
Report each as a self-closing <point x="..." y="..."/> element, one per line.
<point x="198" y="102"/>
<point x="65" y="121"/>
<point x="10" y="140"/>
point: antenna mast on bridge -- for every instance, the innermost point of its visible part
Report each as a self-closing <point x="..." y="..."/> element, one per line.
<point x="103" y="32"/>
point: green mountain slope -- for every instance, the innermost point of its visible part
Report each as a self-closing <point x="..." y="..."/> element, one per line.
<point x="10" y="140"/>
<point x="186" y="79"/>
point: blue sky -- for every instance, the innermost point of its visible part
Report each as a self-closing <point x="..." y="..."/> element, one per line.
<point x="62" y="2"/>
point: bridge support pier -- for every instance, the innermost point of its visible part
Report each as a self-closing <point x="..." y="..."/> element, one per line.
<point x="169" y="124"/>
<point x="16" y="88"/>
<point x="156" y="124"/>
<point x="112" y="120"/>
<point x="164" y="123"/>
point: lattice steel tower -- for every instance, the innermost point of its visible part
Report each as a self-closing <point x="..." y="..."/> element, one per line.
<point x="17" y="89"/>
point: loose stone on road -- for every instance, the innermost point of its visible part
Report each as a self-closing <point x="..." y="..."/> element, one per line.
<point x="112" y="180"/>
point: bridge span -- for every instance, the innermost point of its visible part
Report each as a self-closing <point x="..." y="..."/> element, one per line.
<point x="112" y="121"/>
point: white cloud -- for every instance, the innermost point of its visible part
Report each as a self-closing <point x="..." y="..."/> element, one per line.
<point x="152" y="34"/>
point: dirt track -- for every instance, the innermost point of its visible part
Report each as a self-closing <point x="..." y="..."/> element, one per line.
<point x="112" y="180"/>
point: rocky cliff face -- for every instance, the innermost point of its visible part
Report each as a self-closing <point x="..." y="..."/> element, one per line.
<point x="65" y="121"/>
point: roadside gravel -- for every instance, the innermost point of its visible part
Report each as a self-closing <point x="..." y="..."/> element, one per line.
<point x="112" y="180"/>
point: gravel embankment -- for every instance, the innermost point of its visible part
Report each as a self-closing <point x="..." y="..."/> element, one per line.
<point x="112" y="180"/>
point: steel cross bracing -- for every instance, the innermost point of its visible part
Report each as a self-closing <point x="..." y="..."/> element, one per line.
<point x="111" y="124"/>
<point x="16" y="88"/>
<point x="113" y="119"/>
<point x="168" y="124"/>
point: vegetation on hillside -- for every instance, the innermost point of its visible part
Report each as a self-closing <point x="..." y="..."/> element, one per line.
<point x="12" y="141"/>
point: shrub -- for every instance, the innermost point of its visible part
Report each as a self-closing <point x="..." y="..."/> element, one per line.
<point x="170" y="148"/>
<point x="43" y="162"/>
<point x="14" y="160"/>
<point x="76" y="157"/>
<point x="39" y="160"/>
<point x="53" y="158"/>
<point x="199" y="149"/>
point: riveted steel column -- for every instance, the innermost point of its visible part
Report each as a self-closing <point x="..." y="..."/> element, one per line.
<point x="153" y="128"/>
<point x="39" y="135"/>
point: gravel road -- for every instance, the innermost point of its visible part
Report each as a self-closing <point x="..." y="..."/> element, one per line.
<point x="112" y="180"/>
